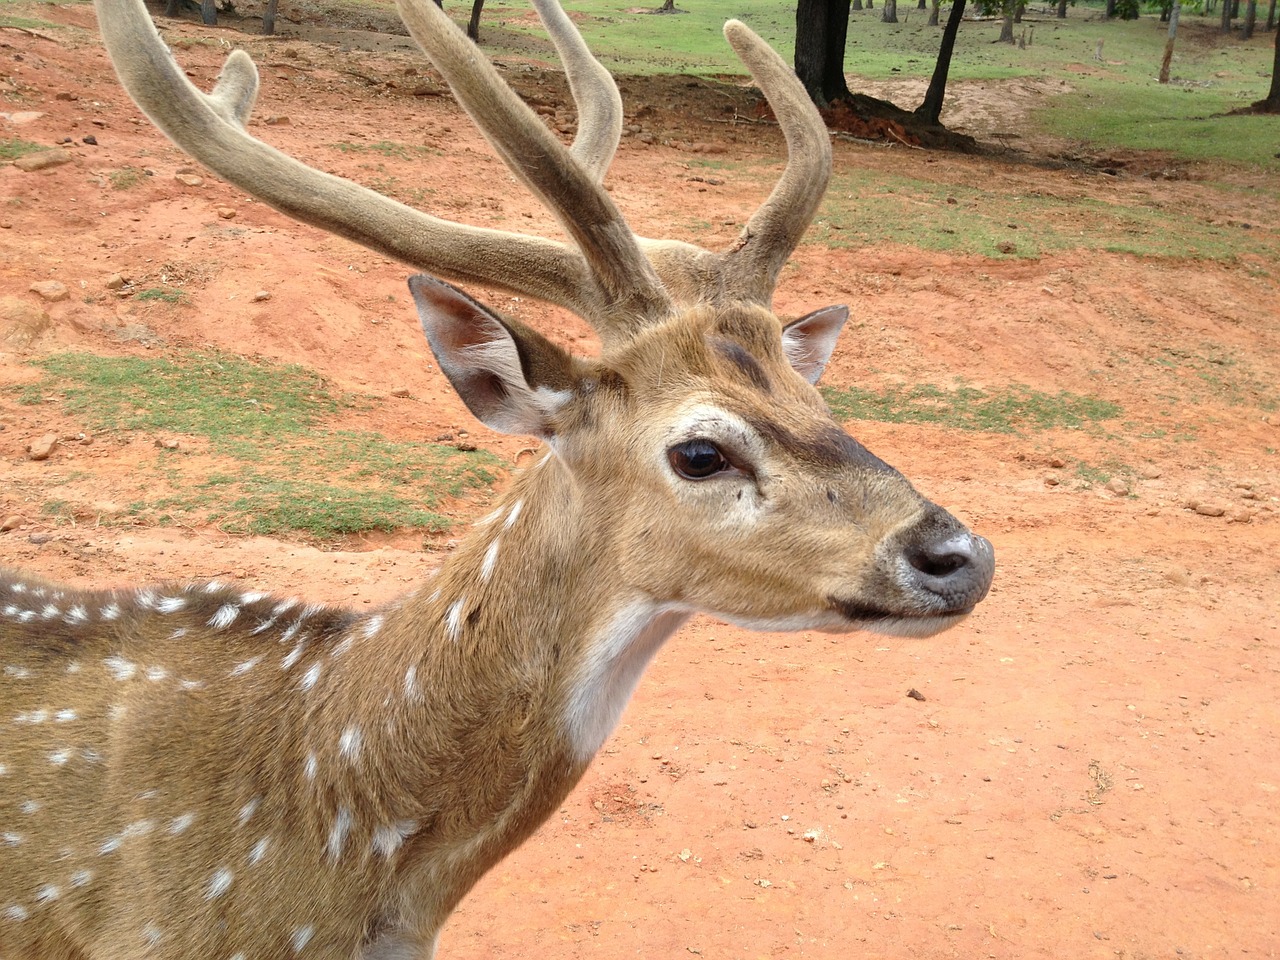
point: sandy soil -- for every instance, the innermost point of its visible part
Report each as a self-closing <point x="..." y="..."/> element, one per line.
<point x="1094" y="768"/>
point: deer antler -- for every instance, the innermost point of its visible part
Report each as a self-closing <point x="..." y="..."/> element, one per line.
<point x="614" y="279"/>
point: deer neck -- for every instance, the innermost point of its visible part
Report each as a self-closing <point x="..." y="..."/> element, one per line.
<point x="512" y="664"/>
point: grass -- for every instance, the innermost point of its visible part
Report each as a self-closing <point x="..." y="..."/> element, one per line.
<point x="1017" y="409"/>
<point x="14" y="148"/>
<point x="160" y="294"/>
<point x="125" y="178"/>
<point x="278" y="467"/>
<point x="868" y="207"/>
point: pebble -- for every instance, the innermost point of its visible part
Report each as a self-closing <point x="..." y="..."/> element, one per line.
<point x="1210" y="508"/>
<point x="169" y="444"/>
<point x="1057" y="463"/>
<point x="1117" y="486"/>
<point x="114" y="282"/>
<point x="262" y="296"/>
<point x="227" y="213"/>
<point x="10" y="523"/>
<point x="188" y="179"/>
<point x="43" y="448"/>
<point x="1150" y="472"/>
<point x="50" y="290"/>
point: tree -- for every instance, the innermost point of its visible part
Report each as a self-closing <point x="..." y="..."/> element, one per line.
<point x="1250" y="20"/>
<point x="1168" y="44"/>
<point x="269" y="18"/>
<point x="473" y="25"/>
<point x="822" y="26"/>
<point x="931" y="109"/>
<point x="1272" y="102"/>
<point x="889" y="11"/>
<point x="933" y="13"/>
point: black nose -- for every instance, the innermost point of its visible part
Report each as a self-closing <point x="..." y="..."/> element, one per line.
<point x="955" y="567"/>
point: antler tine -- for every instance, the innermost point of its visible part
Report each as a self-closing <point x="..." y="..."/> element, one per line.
<point x="634" y="295"/>
<point x="211" y="129"/>
<point x="774" y="230"/>
<point x="596" y="95"/>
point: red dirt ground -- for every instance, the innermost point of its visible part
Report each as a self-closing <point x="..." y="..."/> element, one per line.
<point x="1094" y="770"/>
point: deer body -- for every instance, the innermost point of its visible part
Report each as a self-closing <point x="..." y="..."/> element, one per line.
<point x="195" y="771"/>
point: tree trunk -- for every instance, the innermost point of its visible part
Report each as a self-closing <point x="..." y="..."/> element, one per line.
<point x="1272" y="103"/>
<point x="1006" y="26"/>
<point x="1018" y="10"/>
<point x="1111" y="9"/>
<point x="269" y="18"/>
<point x="857" y="4"/>
<point x="1271" y="16"/>
<point x="209" y="12"/>
<point x="821" y="29"/>
<point x="1062" y="9"/>
<point x="933" y="12"/>
<point x="889" y="11"/>
<point x="1226" y="16"/>
<point x="171" y="8"/>
<point x="473" y="25"/>
<point x="922" y="5"/>
<point x="1168" y="44"/>
<point x="931" y="108"/>
<point x="1250" y="20"/>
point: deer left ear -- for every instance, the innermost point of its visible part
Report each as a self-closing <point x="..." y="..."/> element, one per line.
<point x="809" y="341"/>
<point x="512" y="378"/>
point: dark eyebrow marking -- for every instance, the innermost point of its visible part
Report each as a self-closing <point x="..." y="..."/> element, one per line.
<point x="832" y="447"/>
<point x="741" y="358"/>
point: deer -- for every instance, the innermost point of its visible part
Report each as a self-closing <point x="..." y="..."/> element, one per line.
<point x="199" y="770"/>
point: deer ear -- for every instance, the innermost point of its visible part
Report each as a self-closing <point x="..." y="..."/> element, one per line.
<point x="809" y="341"/>
<point x="511" y="377"/>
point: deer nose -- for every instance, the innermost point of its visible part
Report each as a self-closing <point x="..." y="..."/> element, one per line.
<point x="957" y="568"/>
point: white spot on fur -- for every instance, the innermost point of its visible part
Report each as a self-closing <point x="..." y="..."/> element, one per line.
<point x="65" y="716"/>
<point x="411" y="683"/>
<point x="11" y="838"/>
<point x="387" y="839"/>
<point x="490" y="558"/>
<point x="152" y="934"/>
<point x="30" y="806"/>
<point x="180" y="824"/>
<point x="90" y="755"/>
<point x="349" y="743"/>
<point x="219" y="883"/>
<point x="120" y="668"/>
<point x="178" y="634"/>
<point x="156" y="674"/>
<point x="18" y="673"/>
<point x="81" y="878"/>
<point x="171" y="604"/>
<point x="514" y="515"/>
<point x="191" y="684"/>
<point x="453" y="619"/>
<point x="301" y="937"/>
<point x="338" y="833"/>
<point x="48" y="893"/>
<point x="310" y="677"/>
<point x="32" y="716"/>
<point x="213" y="586"/>
<point x="240" y="669"/>
<point x="310" y="766"/>
<point x="248" y="810"/>
<point x="293" y="655"/>
<point x="490" y="518"/>
<point x="224" y="616"/>
<point x="110" y="612"/>
<point x="259" y="851"/>
<point x="252" y="597"/>
<point x="76" y="615"/>
<point x="110" y="845"/>
<point x="73" y="666"/>
<point x="50" y="611"/>
<point x="59" y="757"/>
<point x="373" y="625"/>
<point x="16" y="912"/>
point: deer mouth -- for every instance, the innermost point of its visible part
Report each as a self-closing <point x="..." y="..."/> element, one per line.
<point x="912" y="623"/>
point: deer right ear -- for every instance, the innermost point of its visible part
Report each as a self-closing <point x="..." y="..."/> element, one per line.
<point x="512" y="378"/>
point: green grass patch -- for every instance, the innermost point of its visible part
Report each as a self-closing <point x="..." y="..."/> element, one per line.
<point x="281" y="468"/>
<point x="160" y="295"/>
<point x="387" y="148"/>
<point x="26" y="23"/>
<point x="867" y="208"/>
<point x="125" y="178"/>
<point x="14" y="148"/>
<point x="1018" y="409"/>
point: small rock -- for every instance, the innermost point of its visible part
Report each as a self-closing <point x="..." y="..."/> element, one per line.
<point x="226" y="213"/>
<point x="42" y="160"/>
<point x="1050" y="480"/>
<point x="1150" y="472"/>
<point x="401" y="392"/>
<point x="277" y="121"/>
<point x="42" y="449"/>
<point x="65" y="96"/>
<point x="1117" y="486"/>
<point x="188" y="179"/>
<point x="1057" y="463"/>
<point x="262" y="296"/>
<point x="169" y="444"/>
<point x="39" y="538"/>
<point x="50" y="290"/>
<point x="91" y="140"/>
<point x="1006" y="246"/>
<point x="114" y="282"/>
<point x="10" y="523"/>
<point x="1240" y="515"/>
<point x="1210" y="508"/>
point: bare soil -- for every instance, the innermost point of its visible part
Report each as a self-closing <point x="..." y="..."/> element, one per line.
<point x="1092" y="768"/>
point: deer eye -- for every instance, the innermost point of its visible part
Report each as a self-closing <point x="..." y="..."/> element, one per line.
<point x="697" y="459"/>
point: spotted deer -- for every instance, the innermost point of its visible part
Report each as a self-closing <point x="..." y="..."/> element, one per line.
<point x="198" y="771"/>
